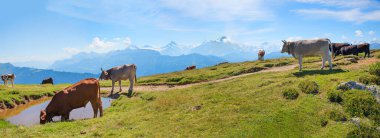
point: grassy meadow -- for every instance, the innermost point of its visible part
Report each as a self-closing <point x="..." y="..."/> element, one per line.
<point x="21" y="93"/>
<point x="250" y="106"/>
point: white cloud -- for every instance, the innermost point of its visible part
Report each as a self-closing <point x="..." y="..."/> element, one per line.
<point x="353" y="15"/>
<point x="103" y="45"/>
<point x="371" y="32"/>
<point x="343" y="3"/>
<point x="216" y="10"/>
<point x="344" y="37"/>
<point x="294" y="38"/>
<point x="359" y="33"/>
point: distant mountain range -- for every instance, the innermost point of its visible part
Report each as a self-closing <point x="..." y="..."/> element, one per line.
<point x="25" y="75"/>
<point x="148" y="62"/>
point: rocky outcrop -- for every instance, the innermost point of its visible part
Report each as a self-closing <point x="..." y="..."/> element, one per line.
<point x="375" y="90"/>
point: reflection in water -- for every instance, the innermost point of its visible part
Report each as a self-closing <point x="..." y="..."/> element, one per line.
<point x="18" y="109"/>
<point x="31" y="116"/>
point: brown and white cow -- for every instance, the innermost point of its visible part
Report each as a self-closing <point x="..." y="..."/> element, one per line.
<point x="303" y="48"/>
<point x="119" y="73"/>
<point x="261" y="54"/>
<point x="72" y="97"/>
<point x="8" y="77"/>
<point x="191" y="67"/>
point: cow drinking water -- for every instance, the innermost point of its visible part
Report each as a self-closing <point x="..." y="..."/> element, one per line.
<point x="302" y="48"/>
<point x="72" y="97"/>
<point x="119" y="73"/>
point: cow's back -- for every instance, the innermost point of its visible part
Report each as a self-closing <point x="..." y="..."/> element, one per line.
<point x="123" y="72"/>
<point x="75" y="96"/>
<point x="311" y="47"/>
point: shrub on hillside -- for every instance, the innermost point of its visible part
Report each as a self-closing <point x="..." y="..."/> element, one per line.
<point x="308" y="87"/>
<point x="337" y="115"/>
<point x="359" y="103"/>
<point x="374" y="69"/>
<point x="268" y="65"/>
<point x="335" y="96"/>
<point x="364" y="131"/>
<point x="290" y="93"/>
<point x="369" y="79"/>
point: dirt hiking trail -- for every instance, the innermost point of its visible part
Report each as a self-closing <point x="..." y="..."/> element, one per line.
<point x="361" y="63"/>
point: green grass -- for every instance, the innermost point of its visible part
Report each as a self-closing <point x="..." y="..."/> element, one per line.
<point x="208" y="73"/>
<point x="250" y="106"/>
<point x="20" y="93"/>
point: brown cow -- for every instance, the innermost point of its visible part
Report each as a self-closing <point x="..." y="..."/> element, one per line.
<point x="8" y="77"/>
<point x="191" y="67"/>
<point x="72" y="97"/>
<point x="364" y="48"/>
<point x="261" y="54"/>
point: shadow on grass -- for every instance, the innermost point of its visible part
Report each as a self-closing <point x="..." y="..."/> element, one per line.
<point x="118" y="94"/>
<point x="320" y="72"/>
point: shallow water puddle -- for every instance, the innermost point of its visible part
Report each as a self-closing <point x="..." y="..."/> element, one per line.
<point x="30" y="115"/>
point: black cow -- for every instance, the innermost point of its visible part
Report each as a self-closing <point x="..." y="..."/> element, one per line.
<point x="364" y="48"/>
<point x="347" y="50"/>
<point x="337" y="46"/>
<point x="48" y="80"/>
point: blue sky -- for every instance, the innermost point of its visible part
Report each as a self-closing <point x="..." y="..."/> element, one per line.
<point x="36" y="33"/>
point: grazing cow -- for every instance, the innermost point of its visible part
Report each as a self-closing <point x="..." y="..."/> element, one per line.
<point x="347" y="50"/>
<point x="337" y="46"/>
<point x="8" y="77"/>
<point x="47" y="81"/>
<point x="302" y="48"/>
<point x="72" y="97"/>
<point x="364" y="48"/>
<point x="191" y="67"/>
<point x="261" y="54"/>
<point x="119" y="73"/>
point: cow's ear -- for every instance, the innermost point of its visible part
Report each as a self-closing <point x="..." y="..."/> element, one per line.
<point x="43" y="115"/>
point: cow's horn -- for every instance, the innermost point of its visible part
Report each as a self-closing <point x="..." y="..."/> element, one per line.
<point x="283" y="41"/>
<point x="101" y="69"/>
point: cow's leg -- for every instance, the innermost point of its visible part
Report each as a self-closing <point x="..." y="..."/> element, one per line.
<point x="113" y="85"/>
<point x="131" y="81"/>
<point x="94" y="104"/>
<point x="13" y="83"/>
<point x="330" y="61"/>
<point x="100" y="106"/>
<point x="300" y="62"/>
<point x="120" y="86"/>
<point x="323" y="62"/>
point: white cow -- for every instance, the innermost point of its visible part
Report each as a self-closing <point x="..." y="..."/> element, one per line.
<point x="303" y="48"/>
<point x="119" y="73"/>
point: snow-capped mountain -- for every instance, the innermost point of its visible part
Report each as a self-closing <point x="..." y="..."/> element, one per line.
<point x="172" y="49"/>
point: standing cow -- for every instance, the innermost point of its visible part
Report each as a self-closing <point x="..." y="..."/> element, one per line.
<point x="302" y="48"/>
<point x="119" y="73"/>
<point x="364" y="48"/>
<point x="8" y="77"/>
<point x="73" y="97"/>
<point x="337" y="46"/>
<point x="347" y="50"/>
<point x="261" y="54"/>
<point x="47" y="81"/>
<point x="191" y="67"/>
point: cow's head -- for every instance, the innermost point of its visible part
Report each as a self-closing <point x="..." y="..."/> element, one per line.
<point x="104" y="75"/>
<point x="43" y="117"/>
<point x="285" y="47"/>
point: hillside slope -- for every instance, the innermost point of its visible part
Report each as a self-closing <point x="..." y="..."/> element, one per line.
<point x="250" y="106"/>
